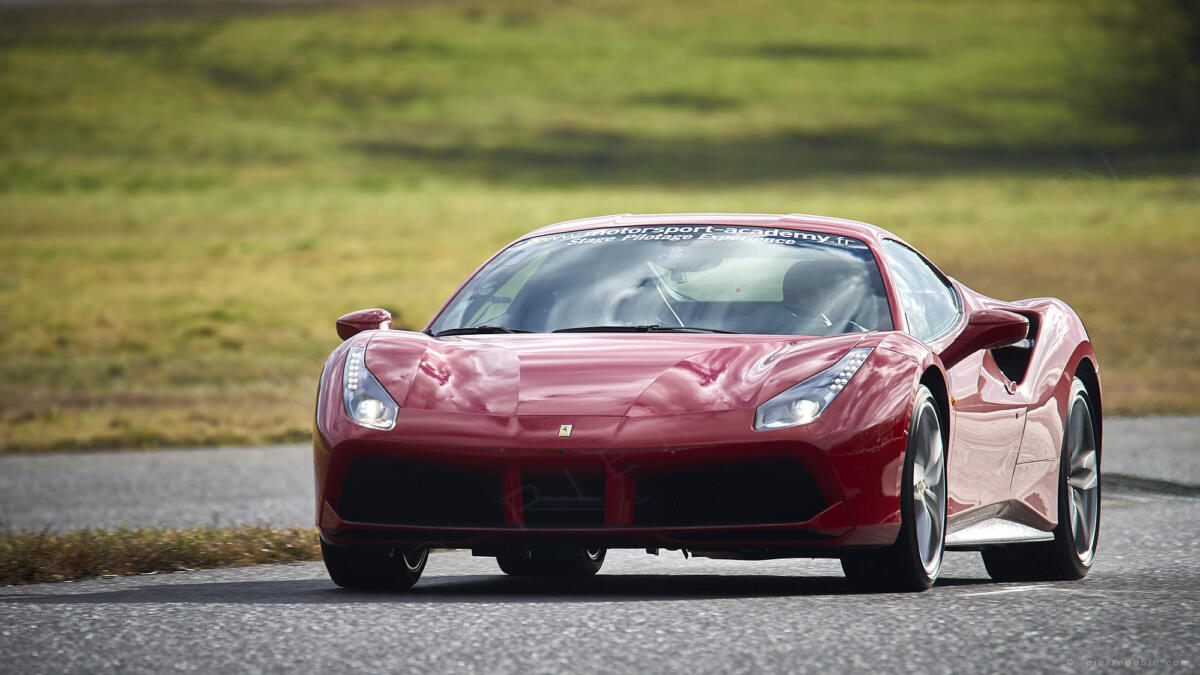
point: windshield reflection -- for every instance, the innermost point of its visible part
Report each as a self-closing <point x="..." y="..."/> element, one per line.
<point x="693" y="278"/>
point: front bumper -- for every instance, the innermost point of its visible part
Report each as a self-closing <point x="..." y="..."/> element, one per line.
<point x="749" y="490"/>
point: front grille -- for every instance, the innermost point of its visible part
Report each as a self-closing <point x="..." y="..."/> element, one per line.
<point x="563" y="499"/>
<point x="400" y="493"/>
<point x="391" y="492"/>
<point x="735" y="494"/>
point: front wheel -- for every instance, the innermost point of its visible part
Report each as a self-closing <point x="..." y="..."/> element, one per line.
<point x="1071" y="553"/>
<point x="553" y="562"/>
<point x="374" y="568"/>
<point x="914" y="561"/>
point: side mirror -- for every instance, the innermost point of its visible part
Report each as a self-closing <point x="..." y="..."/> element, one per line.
<point x="349" y="325"/>
<point x="986" y="329"/>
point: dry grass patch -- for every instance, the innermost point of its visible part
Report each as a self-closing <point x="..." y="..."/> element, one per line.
<point x="35" y="557"/>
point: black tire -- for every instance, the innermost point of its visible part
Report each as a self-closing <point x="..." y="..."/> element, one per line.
<point x="374" y="568"/>
<point x="575" y="562"/>
<point x="902" y="567"/>
<point x="1061" y="559"/>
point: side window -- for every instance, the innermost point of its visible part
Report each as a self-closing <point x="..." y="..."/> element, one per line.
<point x="930" y="305"/>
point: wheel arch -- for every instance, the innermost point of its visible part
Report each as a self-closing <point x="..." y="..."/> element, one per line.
<point x="935" y="381"/>
<point x="1086" y="372"/>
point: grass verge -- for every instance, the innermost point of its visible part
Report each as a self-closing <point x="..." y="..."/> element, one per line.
<point x="189" y="195"/>
<point x="36" y="557"/>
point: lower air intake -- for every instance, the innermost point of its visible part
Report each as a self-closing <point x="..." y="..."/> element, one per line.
<point x="399" y="493"/>
<point x="736" y="494"/>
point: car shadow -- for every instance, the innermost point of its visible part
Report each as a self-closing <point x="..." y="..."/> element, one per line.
<point x="467" y="589"/>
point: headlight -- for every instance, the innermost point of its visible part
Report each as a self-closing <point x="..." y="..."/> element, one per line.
<point x="367" y="402"/>
<point x="804" y="402"/>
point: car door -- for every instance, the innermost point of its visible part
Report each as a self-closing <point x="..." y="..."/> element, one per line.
<point x="988" y="418"/>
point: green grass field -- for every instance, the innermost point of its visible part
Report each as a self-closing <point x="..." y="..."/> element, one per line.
<point x="191" y="193"/>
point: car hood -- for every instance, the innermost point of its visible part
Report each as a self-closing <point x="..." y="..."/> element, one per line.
<point x="618" y="374"/>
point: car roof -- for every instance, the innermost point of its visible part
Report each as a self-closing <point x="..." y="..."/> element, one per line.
<point x="792" y="221"/>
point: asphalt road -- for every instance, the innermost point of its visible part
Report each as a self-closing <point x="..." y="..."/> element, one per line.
<point x="168" y="488"/>
<point x="1137" y="611"/>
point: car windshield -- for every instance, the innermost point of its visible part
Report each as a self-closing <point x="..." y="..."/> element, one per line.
<point x="675" y="278"/>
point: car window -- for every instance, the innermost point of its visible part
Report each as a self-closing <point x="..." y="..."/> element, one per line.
<point x="743" y="279"/>
<point x="513" y="276"/>
<point x="930" y="305"/>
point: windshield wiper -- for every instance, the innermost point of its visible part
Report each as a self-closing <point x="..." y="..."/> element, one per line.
<point x="478" y="330"/>
<point x="647" y="328"/>
<point x="690" y="329"/>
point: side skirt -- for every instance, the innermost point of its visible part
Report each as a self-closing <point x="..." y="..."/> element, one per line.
<point x="994" y="531"/>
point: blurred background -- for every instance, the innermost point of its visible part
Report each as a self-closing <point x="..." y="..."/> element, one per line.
<point x="191" y="192"/>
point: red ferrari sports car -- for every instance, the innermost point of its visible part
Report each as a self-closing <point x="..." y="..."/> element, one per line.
<point x="736" y="386"/>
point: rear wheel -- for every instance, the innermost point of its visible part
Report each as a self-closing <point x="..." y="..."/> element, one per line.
<point x="914" y="561"/>
<point x="374" y="568"/>
<point x="552" y="562"/>
<point x="1071" y="553"/>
